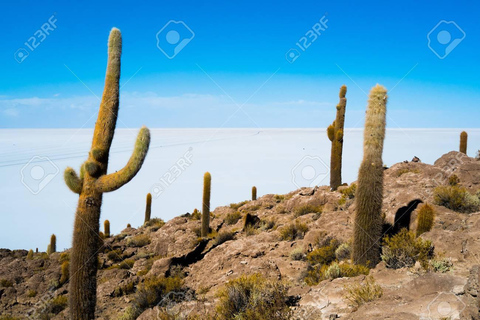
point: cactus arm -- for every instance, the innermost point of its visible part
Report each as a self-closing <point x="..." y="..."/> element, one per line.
<point x="72" y="180"/>
<point x="331" y="131"/>
<point x="113" y="181"/>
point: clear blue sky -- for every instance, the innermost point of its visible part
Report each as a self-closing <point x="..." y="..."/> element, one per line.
<point x="238" y="55"/>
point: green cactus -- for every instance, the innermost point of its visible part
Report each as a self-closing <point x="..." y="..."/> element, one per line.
<point x="65" y="272"/>
<point x="254" y="193"/>
<point x="367" y="229"/>
<point x="129" y="225"/>
<point x="335" y="134"/>
<point x="30" y="254"/>
<point x="426" y="215"/>
<point x="148" y="208"/>
<point x="93" y="182"/>
<point x="106" y="228"/>
<point x="52" y="247"/>
<point x="207" y="181"/>
<point x="463" y="142"/>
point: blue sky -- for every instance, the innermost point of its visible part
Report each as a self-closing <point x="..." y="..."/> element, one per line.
<point x="234" y="72"/>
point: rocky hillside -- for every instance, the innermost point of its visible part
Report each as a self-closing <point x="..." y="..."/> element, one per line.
<point x="277" y="245"/>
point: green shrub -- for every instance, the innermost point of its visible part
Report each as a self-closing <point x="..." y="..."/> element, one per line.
<point x="236" y="206"/>
<point x="31" y="294"/>
<point x="138" y="241"/>
<point x="426" y="215"/>
<point x="453" y="180"/>
<point x="323" y="255"/>
<point x="359" y="294"/>
<point x="233" y="217"/>
<point x="297" y="254"/>
<point x="153" y="290"/>
<point x="254" y="298"/>
<point x="293" y="231"/>
<point x="440" y="264"/>
<point x="196" y="214"/>
<point x="306" y="209"/>
<point x="6" y="283"/>
<point x="250" y="230"/>
<point x="281" y="209"/>
<point x="343" y="252"/>
<point x="267" y="224"/>
<point x="349" y="193"/>
<point x="341" y="270"/>
<point x="124" y="289"/>
<point x="223" y="237"/>
<point x="155" y="223"/>
<point x="126" y="264"/>
<point x="456" y="198"/>
<point x="404" y="249"/>
<point x="8" y="317"/>
<point x="279" y="198"/>
<point x="115" y="255"/>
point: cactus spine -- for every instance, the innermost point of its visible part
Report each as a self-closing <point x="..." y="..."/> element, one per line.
<point x="106" y="228"/>
<point x="254" y="193"/>
<point x="148" y="208"/>
<point x="335" y="134"/>
<point x="207" y="181"/>
<point x="369" y="195"/>
<point x="426" y="215"/>
<point x="463" y="142"/>
<point x="52" y="247"/>
<point x="92" y="183"/>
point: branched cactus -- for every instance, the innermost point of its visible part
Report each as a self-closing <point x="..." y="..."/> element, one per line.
<point x="335" y="134"/>
<point x="148" y="208"/>
<point x="369" y="195"/>
<point x="463" y="142"/>
<point x="207" y="181"/>
<point x="254" y="193"/>
<point x="426" y="215"/>
<point x="106" y="228"/>
<point x="92" y="182"/>
<point x="52" y="247"/>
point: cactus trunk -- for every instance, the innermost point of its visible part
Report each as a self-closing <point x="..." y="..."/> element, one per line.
<point x="92" y="183"/>
<point x="369" y="195"/>
<point x="463" y="142"/>
<point x="335" y="134"/>
<point x="254" y="193"/>
<point x="52" y="247"/>
<point x="106" y="228"/>
<point x="207" y="181"/>
<point x="148" y="208"/>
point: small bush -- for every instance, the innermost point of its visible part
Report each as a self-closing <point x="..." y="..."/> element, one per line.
<point x="279" y="198"/>
<point x="196" y="215"/>
<point x="155" y="223"/>
<point x="254" y="298"/>
<point x="64" y="256"/>
<point x="359" y="294"/>
<point x="138" y="241"/>
<point x="440" y="265"/>
<point x="297" y="254"/>
<point x="453" y="180"/>
<point x="280" y="209"/>
<point x="267" y="224"/>
<point x="293" y="231"/>
<point x="306" y="209"/>
<point x="343" y="252"/>
<point x="124" y="289"/>
<point x="406" y="170"/>
<point x="223" y="237"/>
<point x="349" y="193"/>
<point x="236" y="206"/>
<point x="336" y="270"/>
<point x="404" y="249"/>
<point x="250" y="230"/>
<point x="8" y="317"/>
<point x="6" y="283"/>
<point x="456" y="198"/>
<point x="126" y="264"/>
<point x="324" y="255"/>
<point x="31" y="294"/>
<point x="152" y="291"/>
<point x="233" y="217"/>
<point x="115" y="255"/>
<point x="426" y="215"/>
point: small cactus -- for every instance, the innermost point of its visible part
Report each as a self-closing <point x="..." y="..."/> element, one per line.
<point x="30" y="254"/>
<point x="207" y="181"/>
<point x="129" y="225"/>
<point x="426" y="215"/>
<point x="52" y="247"/>
<point x="106" y="228"/>
<point x="335" y="134"/>
<point x="65" y="272"/>
<point x="254" y="193"/>
<point x="367" y="229"/>
<point x="148" y="208"/>
<point x="463" y="142"/>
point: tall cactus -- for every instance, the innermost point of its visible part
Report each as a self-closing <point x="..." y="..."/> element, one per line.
<point x="207" y="181"/>
<point x="52" y="247"/>
<point x="367" y="229"/>
<point x="148" y="208"/>
<point x="463" y="142"/>
<point x="335" y="134"/>
<point x="93" y="182"/>
<point x="106" y="228"/>
<point x="254" y="193"/>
